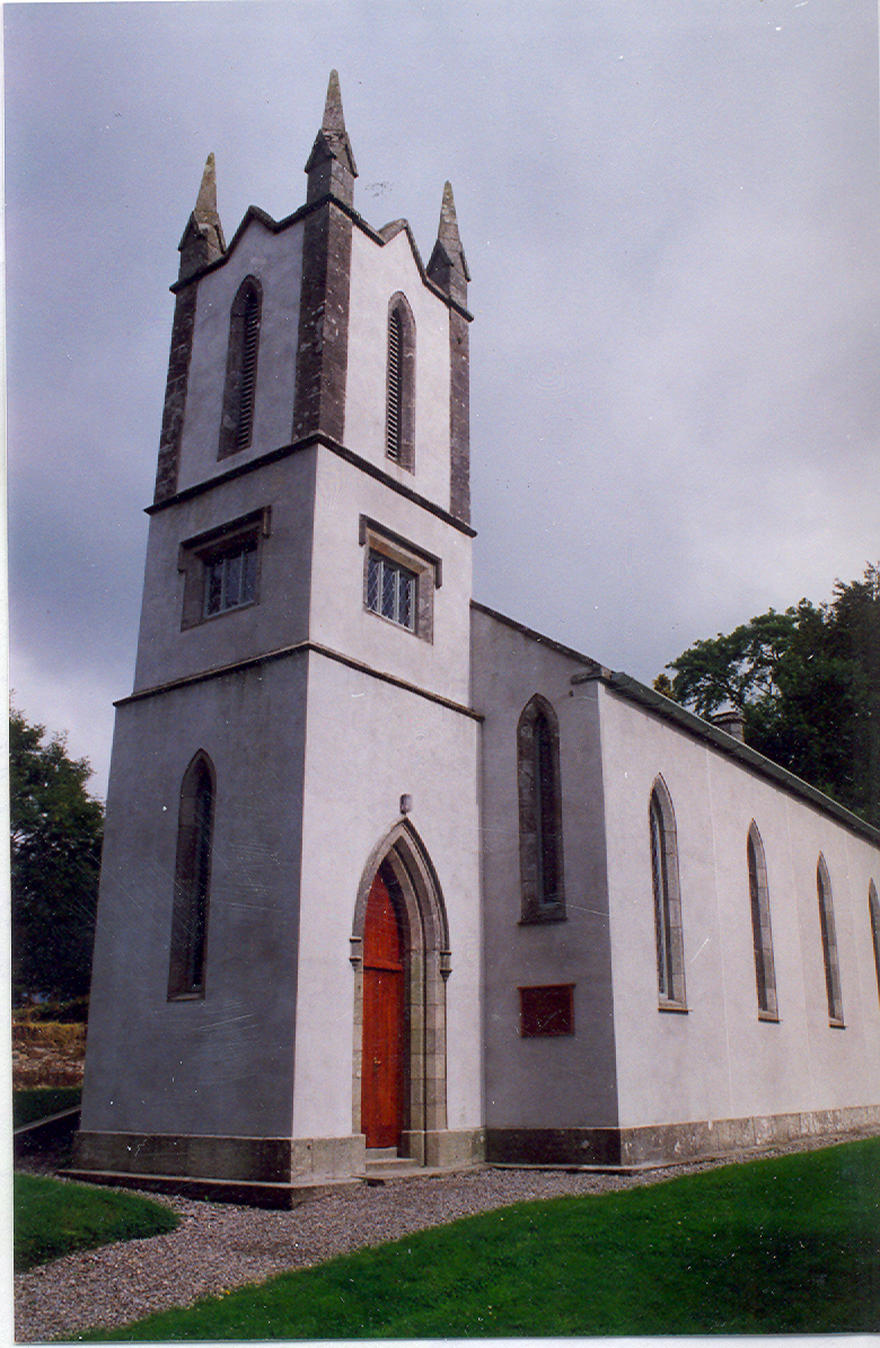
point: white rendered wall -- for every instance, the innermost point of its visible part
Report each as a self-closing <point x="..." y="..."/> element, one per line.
<point x="543" y="1082"/>
<point x="276" y="261"/>
<point x="339" y="618"/>
<point x="719" y="1061"/>
<point x="367" y="744"/>
<point x="377" y="273"/>
<point x="223" y="1064"/>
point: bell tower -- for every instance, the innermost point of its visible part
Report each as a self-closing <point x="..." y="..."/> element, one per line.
<point x="299" y="728"/>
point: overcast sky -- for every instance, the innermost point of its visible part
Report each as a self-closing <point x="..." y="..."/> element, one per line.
<point x="671" y="213"/>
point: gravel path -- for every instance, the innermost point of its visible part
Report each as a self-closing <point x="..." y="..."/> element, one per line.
<point x="219" y="1245"/>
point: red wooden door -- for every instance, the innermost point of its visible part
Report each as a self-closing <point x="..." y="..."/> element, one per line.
<point x="382" y="1065"/>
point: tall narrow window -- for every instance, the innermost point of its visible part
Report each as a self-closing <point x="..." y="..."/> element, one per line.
<point x="400" y="384"/>
<point x="236" y="427"/>
<point x="667" y="900"/>
<point x="874" y="910"/>
<point x="829" y="944"/>
<point x="540" y="813"/>
<point x="762" y="937"/>
<point x="192" y="880"/>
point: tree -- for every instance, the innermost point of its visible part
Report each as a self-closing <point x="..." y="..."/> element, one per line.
<point x="56" y="831"/>
<point x="807" y="682"/>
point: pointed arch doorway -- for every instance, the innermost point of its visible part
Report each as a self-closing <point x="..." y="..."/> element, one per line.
<point x="401" y="958"/>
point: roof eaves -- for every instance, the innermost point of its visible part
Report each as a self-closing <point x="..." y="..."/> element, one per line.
<point x="630" y="688"/>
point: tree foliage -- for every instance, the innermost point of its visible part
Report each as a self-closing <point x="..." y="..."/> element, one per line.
<point x="807" y="682"/>
<point x="56" y="829"/>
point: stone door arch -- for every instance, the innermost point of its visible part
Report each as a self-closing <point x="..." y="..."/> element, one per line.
<point x="404" y="867"/>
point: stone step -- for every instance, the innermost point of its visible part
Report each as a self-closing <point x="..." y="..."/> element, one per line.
<point x="250" y="1193"/>
<point x="391" y="1164"/>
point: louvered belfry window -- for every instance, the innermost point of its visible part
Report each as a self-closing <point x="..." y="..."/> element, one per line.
<point x="248" y="370"/>
<point x="400" y="384"/>
<point x="239" y="394"/>
<point x="395" y="387"/>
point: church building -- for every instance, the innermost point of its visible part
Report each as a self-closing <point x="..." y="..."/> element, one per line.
<point x="388" y="877"/>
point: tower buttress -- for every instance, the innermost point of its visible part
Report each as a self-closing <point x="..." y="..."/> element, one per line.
<point x="448" y="270"/>
<point x="330" y="166"/>
<point x="448" y="267"/>
<point x="322" y="340"/>
<point x="202" y="240"/>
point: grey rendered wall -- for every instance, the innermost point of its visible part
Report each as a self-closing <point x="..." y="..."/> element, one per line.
<point x="564" y="1082"/>
<point x="222" y="1065"/>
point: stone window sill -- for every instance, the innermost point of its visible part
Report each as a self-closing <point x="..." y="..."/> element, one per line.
<point x="537" y="918"/>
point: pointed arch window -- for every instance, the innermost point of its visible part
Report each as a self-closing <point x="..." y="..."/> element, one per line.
<point x="540" y="813"/>
<point x="192" y="880"/>
<point x="667" y="900"/>
<point x="400" y="384"/>
<point x="762" y="936"/>
<point x="829" y="944"/>
<point x="874" y="911"/>
<point x="237" y="424"/>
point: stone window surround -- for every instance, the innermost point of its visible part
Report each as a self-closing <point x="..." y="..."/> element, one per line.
<point x="195" y="553"/>
<point x="667" y="904"/>
<point x="427" y="568"/>
<point x="762" y="933"/>
<point x="534" y="908"/>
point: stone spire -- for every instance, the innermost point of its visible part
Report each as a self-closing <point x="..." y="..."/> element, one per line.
<point x="448" y="265"/>
<point x="331" y="168"/>
<point x="202" y="240"/>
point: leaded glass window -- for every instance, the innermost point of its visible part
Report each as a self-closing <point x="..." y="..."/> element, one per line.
<point x="231" y="578"/>
<point x="829" y="944"/>
<point x="192" y="880"/>
<point x="667" y="900"/>
<point x="391" y="590"/>
<point x="874" y="912"/>
<point x="540" y="813"/>
<point x="762" y="937"/>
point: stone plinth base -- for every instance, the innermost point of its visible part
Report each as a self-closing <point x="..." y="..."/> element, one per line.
<point x="666" y="1143"/>
<point x="272" y="1160"/>
<point x="445" y="1147"/>
<point x="264" y="1160"/>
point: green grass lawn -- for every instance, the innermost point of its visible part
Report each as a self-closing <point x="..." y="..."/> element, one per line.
<point x="41" y="1101"/>
<point x="52" y="1218"/>
<point x="790" y="1245"/>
